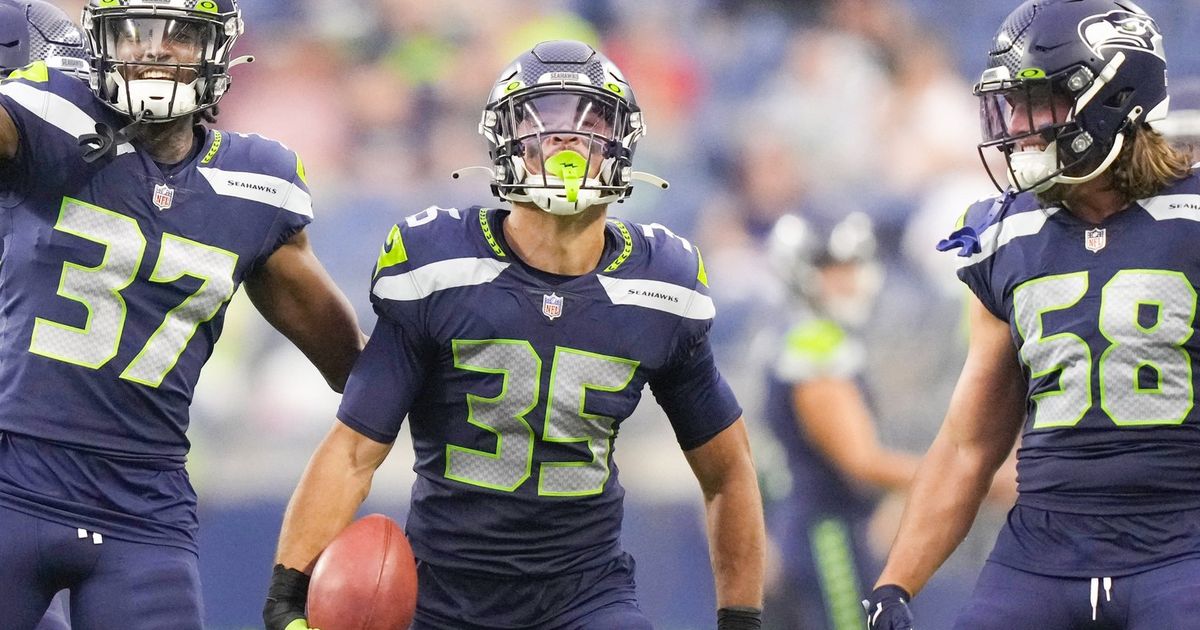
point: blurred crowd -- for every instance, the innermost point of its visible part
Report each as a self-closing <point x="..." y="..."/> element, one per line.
<point x="754" y="108"/>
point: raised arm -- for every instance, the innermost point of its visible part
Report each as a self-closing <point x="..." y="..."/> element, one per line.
<point x="834" y="416"/>
<point x="984" y="418"/>
<point x="736" y="535"/>
<point x="296" y="295"/>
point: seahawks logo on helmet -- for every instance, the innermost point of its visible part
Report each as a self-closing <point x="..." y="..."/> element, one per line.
<point x="1121" y="29"/>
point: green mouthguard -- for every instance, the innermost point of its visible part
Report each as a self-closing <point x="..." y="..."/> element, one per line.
<point x="570" y="167"/>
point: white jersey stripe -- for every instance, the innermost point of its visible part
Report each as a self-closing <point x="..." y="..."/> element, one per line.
<point x="1166" y="207"/>
<point x="1017" y="225"/>
<point x="446" y="274"/>
<point x="660" y="296"/>
<point x="272" y="191"/>
<point x="55" y="110"/>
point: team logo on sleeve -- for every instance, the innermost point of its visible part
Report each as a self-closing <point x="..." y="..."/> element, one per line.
<point x="1094" y="240"/>
<point x="163" y="196"/>
<point x="552" y="306"/>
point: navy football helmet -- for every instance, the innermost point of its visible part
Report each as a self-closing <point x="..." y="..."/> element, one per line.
<point x="161" y="59"/>
<point x="33" y="30"/>
<point x="562" y="125"/>
<point x="798" y="250"/>
<point x="1067" y="81"/>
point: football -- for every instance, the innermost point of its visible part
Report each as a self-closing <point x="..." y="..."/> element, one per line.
<point x="366" y="579"/>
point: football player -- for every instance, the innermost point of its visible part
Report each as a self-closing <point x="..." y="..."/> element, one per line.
<point x="119" y="260"/>
<point x="818" y="411"/>
<point x="1083" y="321"/>
<point x="516" y="341"/>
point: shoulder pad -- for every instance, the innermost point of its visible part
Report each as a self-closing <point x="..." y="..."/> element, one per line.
<point x="660" y="254"/>
<point x="258" y="169"/>
<point x="436" y="235"/>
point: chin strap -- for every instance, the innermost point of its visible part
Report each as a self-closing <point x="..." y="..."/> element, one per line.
<point x="105" y="141"/>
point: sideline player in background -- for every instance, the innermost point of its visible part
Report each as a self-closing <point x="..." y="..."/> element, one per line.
<point x="1083" y="339"/>
<point x="117" y="269"/>
<point x="817" y="410"/>
<point x="517" y="341"/>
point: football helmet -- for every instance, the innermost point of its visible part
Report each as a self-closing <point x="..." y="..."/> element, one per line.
<point x="562" y="125"/>
<point x="800" y="250"/>
<point x="161" y="59"/>
<point x="33" y="30"/>
<point x="1066" y="83"/>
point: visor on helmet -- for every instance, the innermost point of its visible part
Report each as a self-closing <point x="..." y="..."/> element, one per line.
<point x="165" y="43"/>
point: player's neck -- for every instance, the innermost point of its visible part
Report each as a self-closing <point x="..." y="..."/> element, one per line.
<point x="167" y="142"/>
<point x="563" y="245"/>
<point x="1095" y="201"/>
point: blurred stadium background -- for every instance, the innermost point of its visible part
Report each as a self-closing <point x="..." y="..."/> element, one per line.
<point x="754" y="108"/>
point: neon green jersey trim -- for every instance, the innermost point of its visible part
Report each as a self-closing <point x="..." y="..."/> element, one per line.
<point x="393" y="252"/>
<point x="36" y="72"/>
<point x="212" y="150"/>
<point x="817" y="339"/>
<point x="626" y="250"/>
<point x="487" y="233"/>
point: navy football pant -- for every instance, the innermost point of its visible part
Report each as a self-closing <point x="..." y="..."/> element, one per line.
<point x="603" y="598"/>
<point x="1158" y="599"/>
<point x="113" y="583"/>
<point x="825" y="561"/>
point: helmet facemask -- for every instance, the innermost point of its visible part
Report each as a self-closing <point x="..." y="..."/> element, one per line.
<point x="160" y="63"/>
<point x="562" y="148"/>
<point x="1034" y="123"/>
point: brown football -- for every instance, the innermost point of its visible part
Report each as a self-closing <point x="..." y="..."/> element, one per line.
<point x="366" y="579"/>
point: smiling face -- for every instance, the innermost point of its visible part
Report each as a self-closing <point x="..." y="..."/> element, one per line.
<point x="160" y="48"/>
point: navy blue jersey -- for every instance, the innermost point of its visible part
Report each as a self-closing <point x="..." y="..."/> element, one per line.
<point x="515" y="387"/>
<point x="116" y="276"/>
<point x="1103" y="317"/>
<point x="814" y="348"/>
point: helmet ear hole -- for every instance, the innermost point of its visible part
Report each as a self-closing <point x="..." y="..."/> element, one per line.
<point x="1118" y="100"/>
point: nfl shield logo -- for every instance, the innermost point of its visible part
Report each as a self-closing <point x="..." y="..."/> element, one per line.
<point x="1094" y="240"/>
<point x="163" y="195"/>
<point x="552" y="306"/>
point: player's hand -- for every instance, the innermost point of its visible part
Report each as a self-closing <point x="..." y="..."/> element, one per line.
<point x="286" y="596"/>
<point x="887" y="609"/>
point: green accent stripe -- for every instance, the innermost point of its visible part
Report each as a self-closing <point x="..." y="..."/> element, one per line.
<point x="35" y="72"/>
<point x="300" y="172"/>
<point x="212" y="150"/>
<point x="393" y="252"/>
<point x="487" y="233"/>
<point x="701" y="275"/>
<point x="839" y="580"/>
<point x="625" y="251"/>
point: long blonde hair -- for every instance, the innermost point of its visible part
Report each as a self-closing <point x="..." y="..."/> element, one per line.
<point x="1147" y="164"/>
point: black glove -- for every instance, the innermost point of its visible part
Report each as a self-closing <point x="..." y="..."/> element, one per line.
<point x="285" y="598"/>
<point x="739" y="618"/>
<point x="887" y="609"/>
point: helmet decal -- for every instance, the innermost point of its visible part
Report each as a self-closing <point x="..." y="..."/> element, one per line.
<point x="1121" y="29"/>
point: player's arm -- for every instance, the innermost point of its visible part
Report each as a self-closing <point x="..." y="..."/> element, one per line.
<point x="832" y="413"/>
<point x="296" y="295"/>
<point x="982" y="423"/>
<point x="10" y="138"/>
<point x="334" y="485"/>
<point x="736" y="534"/>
